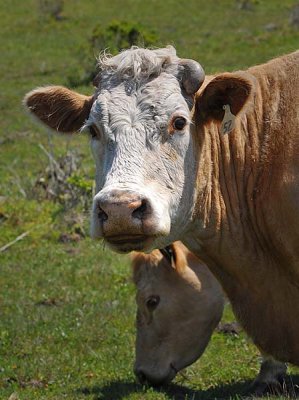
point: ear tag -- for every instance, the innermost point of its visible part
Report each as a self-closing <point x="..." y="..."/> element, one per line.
<point x="228" y="122"/>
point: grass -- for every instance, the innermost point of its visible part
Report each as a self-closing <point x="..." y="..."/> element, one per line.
<point x="67" y="309"/>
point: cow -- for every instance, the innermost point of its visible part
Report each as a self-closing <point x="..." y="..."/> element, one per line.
<point x="209" y="160"/>
<point x="179" y="304"/>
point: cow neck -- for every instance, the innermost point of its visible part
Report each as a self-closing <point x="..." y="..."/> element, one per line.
<point x="238" y="215"/>
<point x="237" y="174"/>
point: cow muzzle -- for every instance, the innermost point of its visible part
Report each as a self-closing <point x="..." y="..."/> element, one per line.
<point x="126" y="220"/>
<point x="153" y="378"/>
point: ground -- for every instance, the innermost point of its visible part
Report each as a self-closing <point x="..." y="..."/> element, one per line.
<point x="66" y="303"/>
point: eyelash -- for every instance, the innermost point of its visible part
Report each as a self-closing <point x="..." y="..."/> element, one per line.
<point x="93" y="132"/>
<point x="179" y="120"/>
<point x="153" y="302"/>
<point x="172" y="128"/>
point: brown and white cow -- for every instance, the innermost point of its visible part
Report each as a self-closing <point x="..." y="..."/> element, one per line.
<point x="179" y="304"/>
<point x="172" y="164"/>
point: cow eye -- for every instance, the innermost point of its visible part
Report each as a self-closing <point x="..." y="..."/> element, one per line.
<point x="152" y="302"/>
<point x="93" y="132"/>
<point x="179" y="123"/>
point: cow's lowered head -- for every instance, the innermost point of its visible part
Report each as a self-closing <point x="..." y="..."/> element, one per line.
<point x="143" y="138"/>
<point x="179" y="304"/>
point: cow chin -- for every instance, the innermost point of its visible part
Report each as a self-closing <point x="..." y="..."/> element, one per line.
<point x="126" y="244"/>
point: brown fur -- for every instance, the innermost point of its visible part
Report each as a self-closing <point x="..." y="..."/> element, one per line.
<point x="175" y="332"/>
<point x="59" y="108"/>
<point x="248" y="199"/>
<point x="154" y="258"/>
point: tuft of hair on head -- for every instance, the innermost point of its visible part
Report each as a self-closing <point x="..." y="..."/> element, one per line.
<point x="139" y="63"/>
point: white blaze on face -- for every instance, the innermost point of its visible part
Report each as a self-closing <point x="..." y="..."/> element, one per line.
<point x="137" y="149"/>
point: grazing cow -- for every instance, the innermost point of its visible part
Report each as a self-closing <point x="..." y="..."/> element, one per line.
<point x="212" y="161"/>
<point x="179" y="304"/>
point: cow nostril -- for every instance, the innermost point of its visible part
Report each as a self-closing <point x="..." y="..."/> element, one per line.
<point x="140" y="376"/>
<point x="141" y="210"/>
<point x="101" y="214"/>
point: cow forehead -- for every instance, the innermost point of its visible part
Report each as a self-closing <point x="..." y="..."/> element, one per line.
<point x="160" y="279"/>
<point x="131" y="102"/>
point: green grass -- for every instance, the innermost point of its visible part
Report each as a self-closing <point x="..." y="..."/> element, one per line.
<point x="67" y="309"/>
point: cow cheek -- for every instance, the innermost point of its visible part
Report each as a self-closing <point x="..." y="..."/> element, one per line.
<point x="98" y="152"/>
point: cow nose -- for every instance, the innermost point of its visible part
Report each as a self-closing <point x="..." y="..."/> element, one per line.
<point x="121" y="205"/>
<point x="121" y="212"/>
<point x="144" y="378"/>
<point x="140" y="375"/>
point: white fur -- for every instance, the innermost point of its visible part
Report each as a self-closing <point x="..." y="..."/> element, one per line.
<point x="136" y="150"/>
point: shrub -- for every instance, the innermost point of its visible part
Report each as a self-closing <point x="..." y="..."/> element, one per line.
<point x="118" y="35"/>
<point x="62" y="182"/>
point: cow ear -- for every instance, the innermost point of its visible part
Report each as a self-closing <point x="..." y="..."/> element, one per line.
<point x="142" y="261"/>
<point x="231" y="89"/>
<point x="179" y="260"/>
<point x="59" y="108"/>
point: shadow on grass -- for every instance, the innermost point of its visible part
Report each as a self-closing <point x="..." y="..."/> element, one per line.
<point x="120" y="389"/>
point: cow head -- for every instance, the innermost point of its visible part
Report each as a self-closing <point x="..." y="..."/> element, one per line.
<point x="179" y="305"/>
<point x="140" y="122"/>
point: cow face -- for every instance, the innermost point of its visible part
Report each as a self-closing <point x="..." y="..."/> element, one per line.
<point x="141" y="145"/>
<point x="139" y="121"/>
<point x="179" y="305"/>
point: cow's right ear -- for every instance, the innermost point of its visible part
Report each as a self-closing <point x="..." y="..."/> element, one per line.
<point x="59" y="108"/>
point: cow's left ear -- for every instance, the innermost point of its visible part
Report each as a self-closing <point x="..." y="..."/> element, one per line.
<point x="233" y="89"/>
<point x="59" y="108"/>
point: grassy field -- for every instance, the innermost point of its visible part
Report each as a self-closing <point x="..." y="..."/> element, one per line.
<point x="66" y="303"/>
